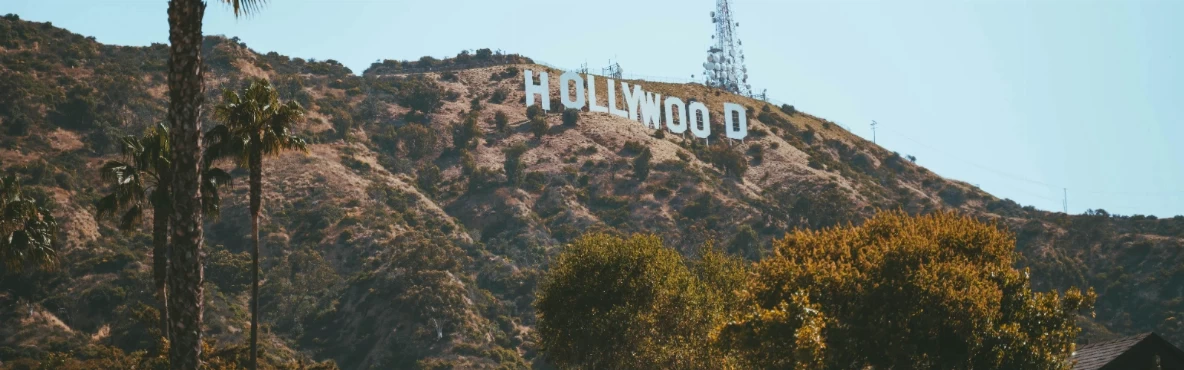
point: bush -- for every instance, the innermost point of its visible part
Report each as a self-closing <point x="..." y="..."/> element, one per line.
<point x="952" y="195"/>
<point x="499" y="95"/>
<point x="633" y="147"/>
<point x="729" y="160"/>
<point x="808" y="136"/>
<point x="513" y="165"/>
<point x="428" y="178"/>
<point x="449" y="76"/>
<point x="500" y="120"/>
<point x="17" y="125"/>
<point x="467" y="132"/>
<point x="534" y="111"/>
<point x="641" y="165"/>
<point x="482" y="179"/>
<point x="509" y="72"/>
<point x="758" y="153"/>
<point x="571" y="116"/>
<point x="417" y="139"/>
<point x="539" y="127"/>
<point x="788" y="109"/>
<point x="534" y="181"/>
<point x="420" y="94"/>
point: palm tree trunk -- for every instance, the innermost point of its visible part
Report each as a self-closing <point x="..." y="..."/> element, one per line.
<point x="185" y="277"/>
<point x="160" y="257"/>
<point x="255" y="162"/>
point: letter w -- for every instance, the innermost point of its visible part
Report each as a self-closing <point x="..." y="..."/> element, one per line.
<point x="651" y="110"/>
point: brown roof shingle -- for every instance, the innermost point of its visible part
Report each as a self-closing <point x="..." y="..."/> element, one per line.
<point x="1094" y="356"/>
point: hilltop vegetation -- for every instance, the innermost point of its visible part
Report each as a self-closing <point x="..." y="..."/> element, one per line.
<point x="418" y="227"/>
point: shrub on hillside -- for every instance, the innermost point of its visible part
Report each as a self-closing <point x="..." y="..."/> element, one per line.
<point x="952" y="195"/>
<point x="499" y="95"/>
<point x="420" y="94"/>
<point x="428" y="178"/>
<point x="467" y="132"/>
<point x="633" y="147"/>
<point x="482" y="179"/>
<point x="418" y="140"/>
<point x="758" y="153"/>
<point x="500" y="120"/>
<point x="788" y="109"/>
<point x="513" y="165"/>
<point x="509" y="72"/>
<point x="641" y="165"/>
<point x="571" y="117"/>
<point x="534" y="110"/>
<point x="729" y="160"/>
<point x="539" y="127"/>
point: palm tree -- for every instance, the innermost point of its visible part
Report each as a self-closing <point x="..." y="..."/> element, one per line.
<point x="141" y="181"/>
<point x="186" y="96"/>
<point x="27" y="231"/>
<point x="254" y="124"/>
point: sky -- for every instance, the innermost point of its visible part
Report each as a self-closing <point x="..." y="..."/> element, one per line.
<point x="1029" y="100"/>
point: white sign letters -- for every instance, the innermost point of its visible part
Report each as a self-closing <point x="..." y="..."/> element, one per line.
<point x="639" y="105"/>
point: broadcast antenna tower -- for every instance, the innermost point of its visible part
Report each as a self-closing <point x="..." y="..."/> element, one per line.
<point x="725" y="68"/>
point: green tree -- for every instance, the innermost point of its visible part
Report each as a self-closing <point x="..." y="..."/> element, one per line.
<point x="140" y="181"/>
<point x="186" y="97"/>
<point x="929" y="292"/>
<point x="612" y="303"/>
<point x="254" y="124"/>
<point x="27" y="230"/>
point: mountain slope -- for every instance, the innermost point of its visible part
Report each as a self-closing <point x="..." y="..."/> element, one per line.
<point x="399" y="239"/>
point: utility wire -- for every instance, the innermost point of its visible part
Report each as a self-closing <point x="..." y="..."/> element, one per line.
<point x="1027" y="180"/>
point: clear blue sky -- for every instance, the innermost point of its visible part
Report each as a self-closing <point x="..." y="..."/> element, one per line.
<point x="1023" y="98"/>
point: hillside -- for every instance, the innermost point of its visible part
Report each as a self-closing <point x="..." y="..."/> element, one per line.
<point x="399" y="239"/>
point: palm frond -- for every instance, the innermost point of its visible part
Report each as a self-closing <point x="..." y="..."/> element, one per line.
<point x="27" y="231"/>
<point x="254" y="121"/>
<point x="245" y="7"/>
<point x="132" y="218"/>
<point x="212" y="180"/>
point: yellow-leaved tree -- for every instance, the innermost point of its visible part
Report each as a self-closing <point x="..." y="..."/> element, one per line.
<point x="901" y="292"/>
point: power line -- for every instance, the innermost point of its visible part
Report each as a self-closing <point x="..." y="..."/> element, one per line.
<point x="1035" y="182"/>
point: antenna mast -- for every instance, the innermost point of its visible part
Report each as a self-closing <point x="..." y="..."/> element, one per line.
<point x="724" y="67"/>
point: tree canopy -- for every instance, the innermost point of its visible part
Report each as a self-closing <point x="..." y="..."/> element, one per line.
<point x="898" y="292"/>
<point x="929" y="292"/>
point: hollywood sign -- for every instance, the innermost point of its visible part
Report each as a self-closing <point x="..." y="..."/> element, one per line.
<point x="642" y="106"/>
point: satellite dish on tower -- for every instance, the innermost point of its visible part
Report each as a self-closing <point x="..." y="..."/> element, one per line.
<point x="725" y="71"/>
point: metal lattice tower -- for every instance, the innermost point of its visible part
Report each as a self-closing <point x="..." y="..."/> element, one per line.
<point x="725" y="68"/>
